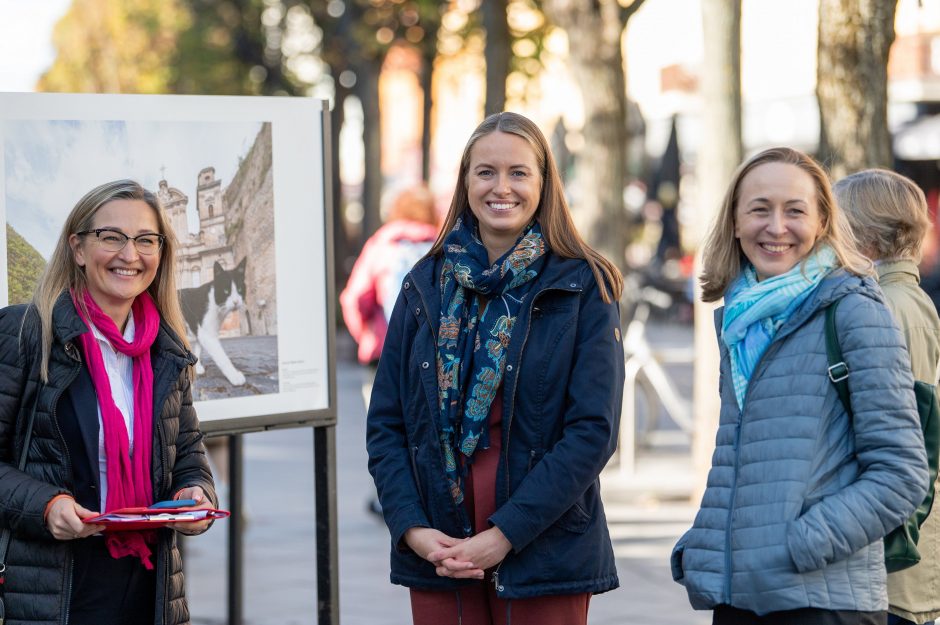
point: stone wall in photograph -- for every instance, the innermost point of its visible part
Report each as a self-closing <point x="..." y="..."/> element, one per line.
<point x="249" y="202"/>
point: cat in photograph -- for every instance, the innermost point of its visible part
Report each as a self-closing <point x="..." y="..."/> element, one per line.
<point x="205" y="308"/>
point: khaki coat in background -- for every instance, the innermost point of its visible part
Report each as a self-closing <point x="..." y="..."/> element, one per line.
<point x="914" y="593"/>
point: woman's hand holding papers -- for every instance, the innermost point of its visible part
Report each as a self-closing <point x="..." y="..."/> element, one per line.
<point x="64" y="520"/>
<point x="202" y="503"/>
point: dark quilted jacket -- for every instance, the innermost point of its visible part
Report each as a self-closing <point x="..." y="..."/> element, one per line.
<point x="39" y="568"/>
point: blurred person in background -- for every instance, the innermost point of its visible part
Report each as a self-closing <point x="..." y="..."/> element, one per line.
<point x="888" y="213"/>
<point x="799" y="493"/>
<point x="100" y="361"/>
<point x="376" y="277"/>
<point x="497" y="399"/>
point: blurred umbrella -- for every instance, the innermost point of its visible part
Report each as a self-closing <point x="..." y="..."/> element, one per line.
<point x="665" y="190"/>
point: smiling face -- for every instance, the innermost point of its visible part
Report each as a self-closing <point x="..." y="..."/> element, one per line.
<point x="777" y="217"/>
<point x="114" y="279"/>
<point x="504" y="184"/>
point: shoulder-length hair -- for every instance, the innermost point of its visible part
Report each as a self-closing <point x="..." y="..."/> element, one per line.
<point x="63" y="273"/>
<point x="888" y="213"/>
<point x="722" y="257"/>
<point x="553" y="213"/>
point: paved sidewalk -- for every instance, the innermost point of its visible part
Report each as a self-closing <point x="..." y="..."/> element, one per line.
<point x="280" y="570"/>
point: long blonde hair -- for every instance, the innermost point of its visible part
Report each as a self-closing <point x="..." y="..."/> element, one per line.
<point x="722" y="254"/>
<point x="888" y="213"/>
<point x="553" y="213"/>
<point x="63" y="273"/>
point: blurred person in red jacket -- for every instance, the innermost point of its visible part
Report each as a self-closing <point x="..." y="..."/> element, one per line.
<point x="388" y="255"/>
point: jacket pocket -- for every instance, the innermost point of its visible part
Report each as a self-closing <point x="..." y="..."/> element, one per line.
<point x="534" y="456"/>
<point x="413" y="450"/>
<point x="574" y="520"/>
<point x="675" y="563"/>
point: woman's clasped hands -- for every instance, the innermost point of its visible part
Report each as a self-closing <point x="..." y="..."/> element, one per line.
<point x="459" y="558"/>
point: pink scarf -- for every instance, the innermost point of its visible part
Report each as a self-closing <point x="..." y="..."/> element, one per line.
<point x="129" y="476"/>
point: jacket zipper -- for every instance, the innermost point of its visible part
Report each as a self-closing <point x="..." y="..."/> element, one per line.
<point x="164" y="486"/>
<point x="512" y="399"/>
<point x="505" y="451"/>
<point x="499" y="587"/>
<point x="68" y="597"/>
<point x="734" y="486"/>
<point x="70" y="574"/>
<point x="734" y="492"/>
<point x="158" y="416"/>
<point x="166" y="588"/>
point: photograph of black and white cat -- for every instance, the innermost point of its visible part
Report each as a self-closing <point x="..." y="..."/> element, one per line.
<point x="215" y="184"/>
<point x="206" y="307"/>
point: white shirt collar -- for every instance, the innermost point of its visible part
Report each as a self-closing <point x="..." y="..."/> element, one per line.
<point x="128" y="330"/>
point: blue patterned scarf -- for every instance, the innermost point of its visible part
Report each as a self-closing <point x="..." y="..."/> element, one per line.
<point x="472" y="342"/>
<point x="754" y="311"/>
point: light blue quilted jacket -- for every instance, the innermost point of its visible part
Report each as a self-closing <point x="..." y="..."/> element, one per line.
<point x="799" y="496"/>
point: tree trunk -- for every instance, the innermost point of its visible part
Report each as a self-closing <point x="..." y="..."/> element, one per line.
<point x="719" y="155"/>
<point x="425" y="79"/>
<point x="496" y="54"/>
<point x="855" y="37"/>
<point x="594" y="32"/>
<point x="367" y="88"/>
<point x="340" y="242"/>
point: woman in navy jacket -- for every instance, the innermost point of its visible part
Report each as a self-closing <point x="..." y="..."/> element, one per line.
<point x="497" y="399"/>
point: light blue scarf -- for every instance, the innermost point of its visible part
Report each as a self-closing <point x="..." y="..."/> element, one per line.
<point x="754" y="311"/>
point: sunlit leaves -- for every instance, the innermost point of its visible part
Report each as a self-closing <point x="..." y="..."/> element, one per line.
<point x="117" y="47"/>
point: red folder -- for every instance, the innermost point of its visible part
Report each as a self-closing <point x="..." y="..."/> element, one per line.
<point x="126" y="519"/>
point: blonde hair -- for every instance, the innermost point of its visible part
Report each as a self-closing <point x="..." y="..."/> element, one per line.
<point x="553" y="213"/>
<point x="63" y="273"/>
<point x="722" y="256"/>
<point x="888" y="213"/>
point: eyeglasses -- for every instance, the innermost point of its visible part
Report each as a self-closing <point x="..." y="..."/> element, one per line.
<point x="114" y="240"/>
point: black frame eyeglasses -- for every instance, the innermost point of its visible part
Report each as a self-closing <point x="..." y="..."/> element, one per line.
<point x="114" y="240"/>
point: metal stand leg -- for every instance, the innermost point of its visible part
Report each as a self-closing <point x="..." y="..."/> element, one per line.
<point x="324" y="484"/>
<point x="235" y="526"/>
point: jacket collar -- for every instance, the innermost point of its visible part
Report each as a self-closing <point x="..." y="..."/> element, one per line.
<point x="833" y="287"/>
<point x="67" y="326"/>
<point x="901" y="270"/>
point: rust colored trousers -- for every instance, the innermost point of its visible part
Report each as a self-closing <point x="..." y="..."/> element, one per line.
<point x="479" y="605"/>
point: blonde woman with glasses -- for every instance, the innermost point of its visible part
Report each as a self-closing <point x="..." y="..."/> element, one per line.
<point x="96" y="374"/>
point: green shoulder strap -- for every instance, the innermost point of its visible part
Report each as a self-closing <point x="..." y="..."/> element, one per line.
<point x="838" y="371"/>
<point x="900" y="545"/>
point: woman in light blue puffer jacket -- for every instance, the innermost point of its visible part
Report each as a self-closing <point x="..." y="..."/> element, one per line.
<point x="799" y="494"/>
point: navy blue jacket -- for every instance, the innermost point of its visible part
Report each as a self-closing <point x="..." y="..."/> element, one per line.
<point x="562" y="392"/>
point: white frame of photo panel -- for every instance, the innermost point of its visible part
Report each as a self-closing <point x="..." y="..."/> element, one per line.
<point x="303" y="254"/>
